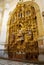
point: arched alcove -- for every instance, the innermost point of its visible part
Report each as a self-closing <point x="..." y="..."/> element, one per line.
<point x="24" y="29"/>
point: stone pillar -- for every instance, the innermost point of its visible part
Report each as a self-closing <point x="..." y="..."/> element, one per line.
<point x="0" y="19"/>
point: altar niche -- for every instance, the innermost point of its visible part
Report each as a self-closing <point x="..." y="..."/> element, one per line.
<point x="23" y="31"/>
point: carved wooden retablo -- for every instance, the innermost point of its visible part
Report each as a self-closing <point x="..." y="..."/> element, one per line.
<point x="23" y="33"/>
